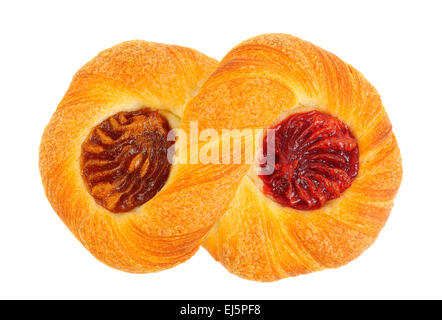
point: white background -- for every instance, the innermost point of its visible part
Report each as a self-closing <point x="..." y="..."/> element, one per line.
<point x="396" y="45"/>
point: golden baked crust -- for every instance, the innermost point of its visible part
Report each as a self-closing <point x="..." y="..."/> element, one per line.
<point x="259" y="82"/>
<point x="126" y="77"/>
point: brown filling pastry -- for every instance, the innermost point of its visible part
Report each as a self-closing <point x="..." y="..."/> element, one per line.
<point x="316" y="159"/>
<point x="124" y="159"/>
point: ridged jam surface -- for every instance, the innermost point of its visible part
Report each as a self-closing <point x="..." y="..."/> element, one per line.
<point x="124" y="159"/>
<point x="316" y="159"/>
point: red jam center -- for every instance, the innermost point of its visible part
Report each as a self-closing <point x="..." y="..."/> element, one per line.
<point x="316" y="159"/>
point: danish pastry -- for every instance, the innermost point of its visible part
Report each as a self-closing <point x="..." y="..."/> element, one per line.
<point x="315" y="196"/>
<point x="103" y="156"/>
<point x="337" y="164"/>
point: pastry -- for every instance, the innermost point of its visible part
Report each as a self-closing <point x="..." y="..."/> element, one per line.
<point x="316" y="193"/>
<point x="104" y="155"/>
<point x="337" y="163"/>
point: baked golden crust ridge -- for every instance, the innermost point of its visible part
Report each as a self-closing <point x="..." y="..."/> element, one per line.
<point x="259" y="82"/>
<point x="126" y="77"/>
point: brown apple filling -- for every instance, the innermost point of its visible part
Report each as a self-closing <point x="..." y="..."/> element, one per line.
<point x="124" y="159"/>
